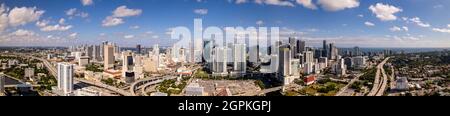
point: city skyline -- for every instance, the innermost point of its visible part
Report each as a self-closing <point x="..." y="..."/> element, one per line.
<point x="346" y="23"/>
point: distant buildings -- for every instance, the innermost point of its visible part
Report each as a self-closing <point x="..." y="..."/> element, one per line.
<point x="138" y="49"/>
<point x="29" y="73"/>
<point x="359" y="62"/>
<point x="339" y="68"/>
<point x="402" y="84"/>
<point x="65" y="78"/>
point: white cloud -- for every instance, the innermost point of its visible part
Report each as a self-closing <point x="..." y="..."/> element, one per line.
<point x="62" y="21"/>
<point x="275" y="2"/>
<point x="71" y="11"/>
<point x="438" y="6"/>
<point x="18" y="16"/>
<point x="102" y="34"/>
<point x="385" y="12"/>
<point x="74" y="12"/>
<point x="259" y="22"/>
<point x="23" y="15"/>
<point x="112" y="21"/>
<point x="405" y="28"/>
<point x="56" y="27"/>
<point x="240" y="1"/>
<point x="395" y="28"/>
<point x="118" y="14"/>
<point x="370" y="24"/>
<point x="336" y="5"/>
<point x="128" y="36"/>
<point x="419" y="22"/>
<point x="360" y="15"/>
<point x="134" y="27"/>
<point x="442" y="30"/>
<point x="307" y="4"/>
<point x="201" y="11"/>
<point x="448" y="25"/>
<point x="42" y="23"/>
<point x="4" y="21"/>
<point x="155" y="36"/>
<point x="87" y="2"/>
<point x="73" y="35"/>
<point x="22" y="32"/>
<point x="123" y="11"/>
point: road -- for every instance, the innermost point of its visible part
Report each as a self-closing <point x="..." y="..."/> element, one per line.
<point x="342" y="90"/>
<point x="137" y="85"/>
<point x="379" y="85"/>
<point x="392" y="85"/>
<point x="264" y="91"/>
<point x="53" y="72"/>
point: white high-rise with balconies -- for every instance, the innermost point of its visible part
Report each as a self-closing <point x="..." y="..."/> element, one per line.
<point x="65" y="78"/>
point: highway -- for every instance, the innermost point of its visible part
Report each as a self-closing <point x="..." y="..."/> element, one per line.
<point x="342" y="90"/>
<point x="379" y="85"/>
<point x="137" y="85"/>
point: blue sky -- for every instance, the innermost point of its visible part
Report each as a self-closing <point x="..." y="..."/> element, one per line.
<point x="368" y="23"/>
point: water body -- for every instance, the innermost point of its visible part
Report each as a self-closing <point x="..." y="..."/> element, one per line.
<point x="9" y="81"/>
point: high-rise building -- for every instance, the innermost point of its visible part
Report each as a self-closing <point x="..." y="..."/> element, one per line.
<point x="208" y="46"/>
<point x="220" y="61"/>
<point x="325" y="48"/>
<point x="129" y="76"/>
<point x="65" y="78"/>
<point x="301" y="47"/>
<point x="293" y="46"/>
<point x="317" y="53"/>
<point x="309" y="57"/>
<point x="253" y="54"/>
<point x="127" y="62"/>
<point x="108" y="57"/>
<point x="284" y="67"/>
<point x="333" y="53"/>
<point x="150" y="64"/>
<point x="96" y="53"/>
<point x="357" y="51"/>
<point x="138" y="49"/>
<point x="83" y="61"/>
<point x="239" y="60"/>
<point x="156" y="54"/>
<point x="90" y="51"/>
<point x="348" y="61"/>
<point x="339" y="68"/>
<point x="323" y="60"/>
<point x="359" y="62"/>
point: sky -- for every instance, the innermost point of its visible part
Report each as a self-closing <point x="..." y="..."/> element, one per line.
<point x="347" y="23"/>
